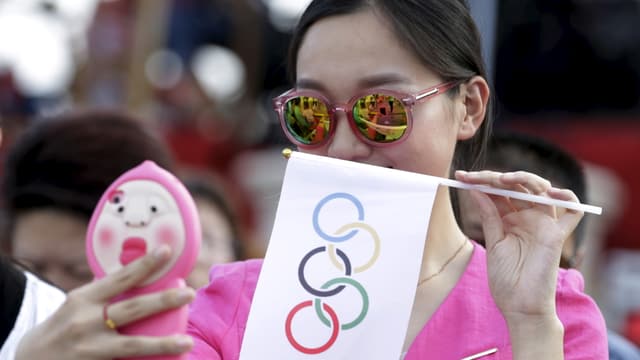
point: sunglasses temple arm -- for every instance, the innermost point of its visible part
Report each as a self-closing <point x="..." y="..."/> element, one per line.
<point x="523" y="196"/>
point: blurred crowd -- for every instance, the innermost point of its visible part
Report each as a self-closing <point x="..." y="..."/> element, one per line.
<point x="199" y="75"/>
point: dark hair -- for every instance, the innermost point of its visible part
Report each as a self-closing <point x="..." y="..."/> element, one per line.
<point x="441" y="33"/>
<point x="200" y="187"/>
<point x="511" y="151"/>
<point x="12" y="284"/>
<point x="67" y="162"/>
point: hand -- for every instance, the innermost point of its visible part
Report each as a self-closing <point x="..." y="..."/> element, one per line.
<point x="77" y="330"/>
<point x="524" y="242"/>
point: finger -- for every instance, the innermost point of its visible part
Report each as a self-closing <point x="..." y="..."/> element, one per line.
<point x="517" y="204"/>
<point x="484" y="177"/>
<point x="563" y="194"/>
<point x="511" y="180"/>
<point x="503" y="204"/>
<point x="127" y="277"/>
<point x="570" y="219"/>
<point x="139" y="307"/>
<point x="136" y="346"/>
<point x="491" y="219"/>
<point x="491" y="178"/>
<point x="532" y="182"/>
<point x="520" y="181"/>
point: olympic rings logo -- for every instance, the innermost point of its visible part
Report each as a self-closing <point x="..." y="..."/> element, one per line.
<point x="336" y="285"/>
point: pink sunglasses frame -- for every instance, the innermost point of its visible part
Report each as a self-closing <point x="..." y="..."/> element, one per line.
<point x="408" y="100"/>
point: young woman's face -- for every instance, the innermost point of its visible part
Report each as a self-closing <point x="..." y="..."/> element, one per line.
<point x="342" y="55"/>
<point x="51" y="242"/>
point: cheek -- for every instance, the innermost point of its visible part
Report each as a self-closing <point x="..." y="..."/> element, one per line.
<point x="106" y="237"/>
<point x="167" y="235"/>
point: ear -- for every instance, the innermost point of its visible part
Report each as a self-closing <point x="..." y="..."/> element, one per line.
<point x="475" y="96"/>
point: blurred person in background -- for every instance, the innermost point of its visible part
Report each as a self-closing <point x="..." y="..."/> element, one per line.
<point x="54" y="175"/>
<point x="221" y="235"/>
<point x="511" y="151"/>
<point x="37" y="320"/>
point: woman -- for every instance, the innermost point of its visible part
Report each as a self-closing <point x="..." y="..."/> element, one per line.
<point x="38" y="320"/>
<point x="53" y="177"/>
<point x="511" y="297"/>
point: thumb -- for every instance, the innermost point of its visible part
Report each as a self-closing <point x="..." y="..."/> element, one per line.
<point x="491" y="220"/>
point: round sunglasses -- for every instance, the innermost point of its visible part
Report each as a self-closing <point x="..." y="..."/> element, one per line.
<point x="377" y="117"/>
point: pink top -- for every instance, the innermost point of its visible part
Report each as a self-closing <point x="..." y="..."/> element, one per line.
<point x="466" y="323"/>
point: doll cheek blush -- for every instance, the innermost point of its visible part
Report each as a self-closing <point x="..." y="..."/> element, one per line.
<point x="106" y="237"/>
<point x="167" y="235"/>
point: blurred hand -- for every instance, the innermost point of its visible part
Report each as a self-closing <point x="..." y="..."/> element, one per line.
<point x="78" y="331"/>
<point x="524" y="242"/>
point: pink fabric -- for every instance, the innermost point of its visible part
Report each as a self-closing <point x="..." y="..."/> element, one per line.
<point x="467" y="322"/>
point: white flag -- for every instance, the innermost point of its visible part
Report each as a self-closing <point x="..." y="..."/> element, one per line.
<point x="340" y="273"/>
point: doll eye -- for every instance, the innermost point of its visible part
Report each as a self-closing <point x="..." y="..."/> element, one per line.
<point x="116" y="197"/>
<point x="156" y="205"/>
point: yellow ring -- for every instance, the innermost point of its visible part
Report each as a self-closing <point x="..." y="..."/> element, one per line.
<point x="107" y="320"/>
<point x="376" y="243"/>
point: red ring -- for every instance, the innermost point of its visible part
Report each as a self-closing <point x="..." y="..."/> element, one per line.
<point x="322" y="348"/>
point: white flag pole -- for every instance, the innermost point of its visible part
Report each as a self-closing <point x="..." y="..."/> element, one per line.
<point x="287" y="153"/>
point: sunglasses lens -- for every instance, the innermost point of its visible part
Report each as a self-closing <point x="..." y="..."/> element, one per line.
<point x="380" y="118"/>
<point x="307" y="119"/>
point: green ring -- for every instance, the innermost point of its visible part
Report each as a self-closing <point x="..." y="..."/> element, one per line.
<point x="365" y="302"/>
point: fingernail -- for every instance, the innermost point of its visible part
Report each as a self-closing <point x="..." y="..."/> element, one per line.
<point x="161" y="253"/>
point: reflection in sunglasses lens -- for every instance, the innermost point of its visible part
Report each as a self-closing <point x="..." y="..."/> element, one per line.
<point x="380" y="118"/>
<point x="307" y="119"/>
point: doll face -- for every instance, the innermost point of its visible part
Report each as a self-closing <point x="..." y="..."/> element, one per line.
<point x="138" y="217"/>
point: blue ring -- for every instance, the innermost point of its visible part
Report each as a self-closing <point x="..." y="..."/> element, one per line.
<point x="316" y="214"/>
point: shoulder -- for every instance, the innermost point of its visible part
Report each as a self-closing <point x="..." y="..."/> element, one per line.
<point x="622" y="349"/>
<point x="219" y="313"/>
<point x="228" y="285"/>
<point x="43" y="298"/>
<point x="247" y="270"/>
<point x="585" y="332"/>
<point x="39" y="302"/>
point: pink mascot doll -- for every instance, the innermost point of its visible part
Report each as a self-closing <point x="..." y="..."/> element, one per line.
<point x="144" y="208"/>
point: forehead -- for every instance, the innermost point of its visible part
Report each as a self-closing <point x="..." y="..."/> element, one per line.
<point x="348" y="50"/>
<point x="46" y="231"/>
<point x="144" y="187"/>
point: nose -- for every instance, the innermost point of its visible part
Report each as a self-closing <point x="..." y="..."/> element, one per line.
<point x="136" y="213"/>
<point x="345" y="144"/>
<point x="61" y="278"/>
